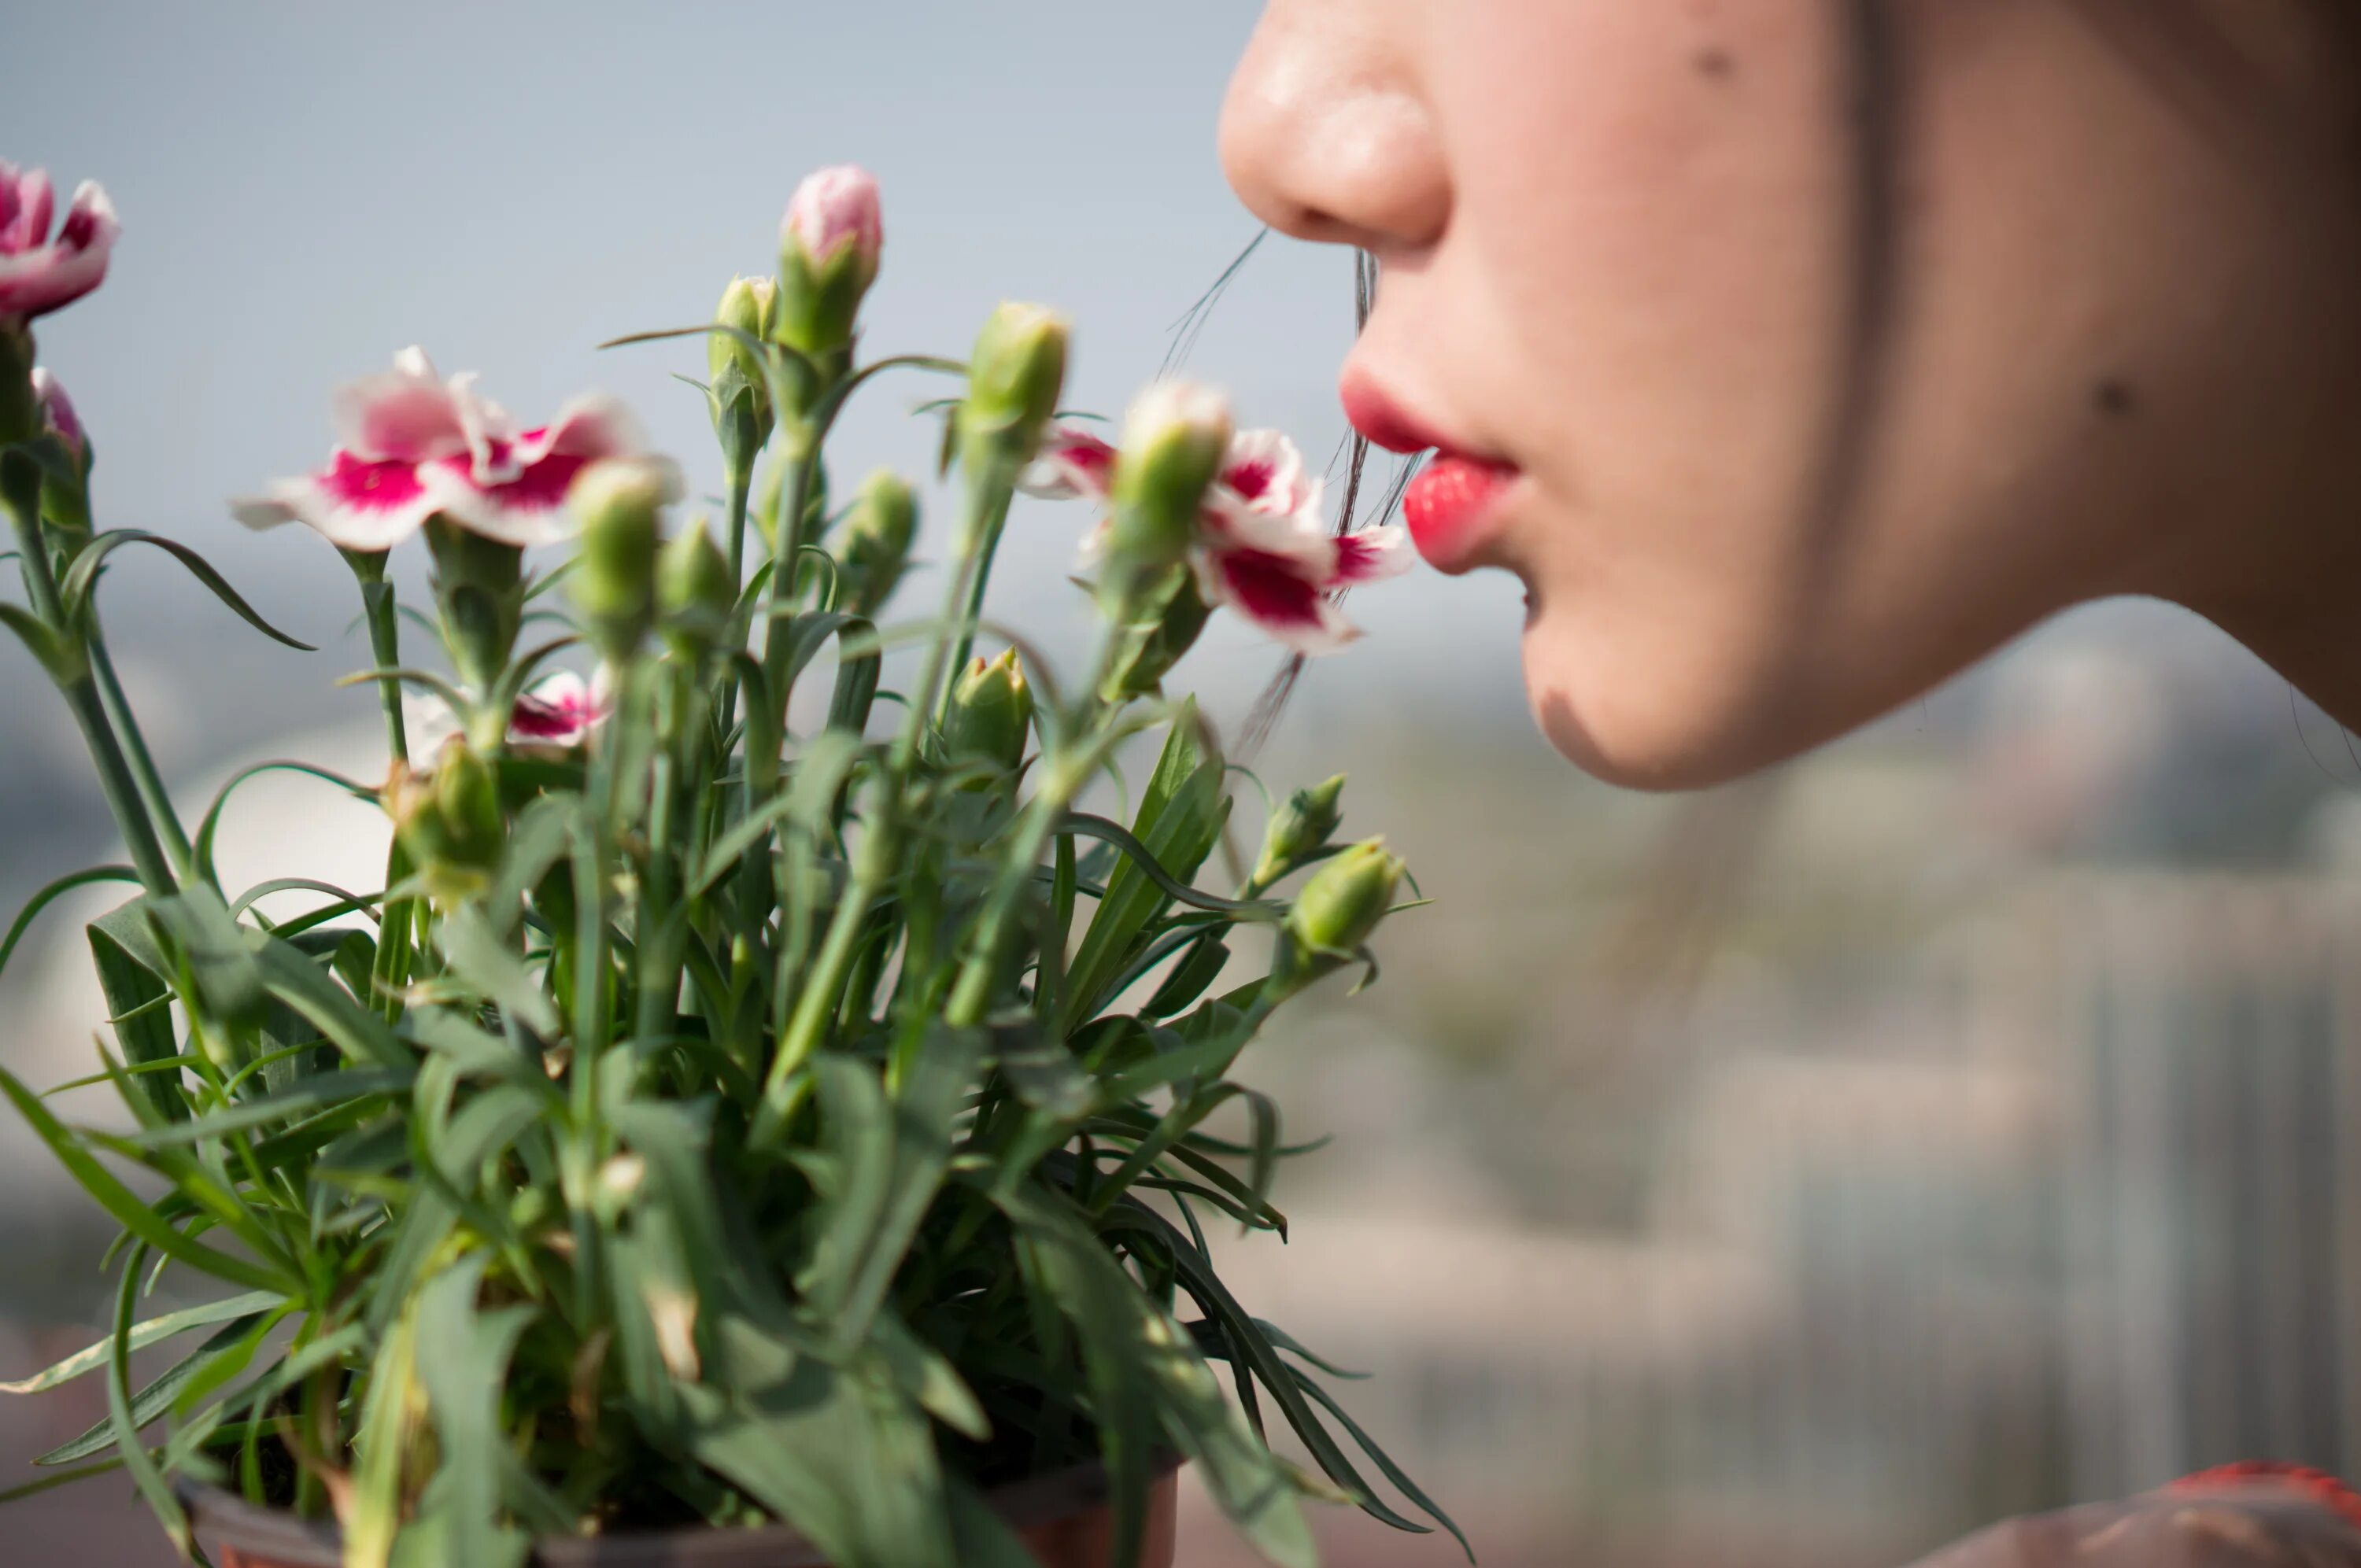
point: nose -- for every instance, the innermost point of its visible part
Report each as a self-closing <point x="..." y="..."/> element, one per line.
<point x="1325" y="136"/>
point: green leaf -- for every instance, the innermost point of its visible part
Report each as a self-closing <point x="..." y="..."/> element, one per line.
<point x="463" y="1361"/>
<point x="540" y="838"/>
<point x="904" y="1148"/>
<point x="211" y="827"/>
<point x="1203" y="1286"/>
<point x="43" y="899"/>
<point x="842" y="1459"/>
<point x="856" y="680"/>
<point x="1179" y="822"/>
<point x="44" y="645"/>
<point x="1145" y="1375"/>
<point x="76" y="588"/>
<point x="154" y="1331"/>
<point x="306" y="1094"/>
<point x="362" y="1035"/>
<point x="220" y="951"/>
<point x="136" y="1217"/>
<point x="157" y="1397"/>
<point x="135" y="978"/>
<point x="374" y="1516"/>
<point x="492" y="969"/>
<point x="145" y="1476"/>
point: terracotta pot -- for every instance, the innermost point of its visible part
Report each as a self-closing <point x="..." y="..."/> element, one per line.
<point x="1061" y="1517"/>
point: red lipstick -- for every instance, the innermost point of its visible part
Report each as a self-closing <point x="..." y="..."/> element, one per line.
<point x="1446" y="504"/>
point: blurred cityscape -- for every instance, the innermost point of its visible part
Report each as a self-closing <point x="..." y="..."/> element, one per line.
<point x="1806" y="1171"/>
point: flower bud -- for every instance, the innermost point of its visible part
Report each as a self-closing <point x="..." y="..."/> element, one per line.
<point x="741" y="398"/>
<point x="617" y="503"/>
<point x="65" y="490"/>
<point x="694" y="589"/>
<point x="1346" y="898"/>
<point x="1173" y="441"/>
<point x="875" y="543"/>
<point x="828" y="246"/>
<point x="449" y="819"/>
<point x="57" y="416"/>
<point x="1300" y="827"/>
<point x="990" y="713"/>
<point x="1013" y="379"/>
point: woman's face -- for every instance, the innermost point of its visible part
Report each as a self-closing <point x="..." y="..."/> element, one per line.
<point x="1795" y="353"/>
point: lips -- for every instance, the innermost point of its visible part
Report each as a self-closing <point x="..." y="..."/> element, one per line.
<point x="1446" y="506"/>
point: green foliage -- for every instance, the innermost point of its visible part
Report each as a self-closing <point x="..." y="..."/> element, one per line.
<point x="711" y="1122"/>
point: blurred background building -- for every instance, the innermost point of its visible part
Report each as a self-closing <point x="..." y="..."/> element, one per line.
<point x="1964" y="1120"/>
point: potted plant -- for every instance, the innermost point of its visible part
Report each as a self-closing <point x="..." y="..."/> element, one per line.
<point x="719" y="1139"/>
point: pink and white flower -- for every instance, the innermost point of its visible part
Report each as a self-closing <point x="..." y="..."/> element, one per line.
<point x="833" y="208"/>
<point x="1261" y="545"/>
<point x="410" y="444"/>
<point x="563" y="709"/>
<point x="37" y="273"/>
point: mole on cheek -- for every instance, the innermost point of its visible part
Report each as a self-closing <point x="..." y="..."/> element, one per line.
<point x="1716" y="64"/>
<point x="2115" y="398"/>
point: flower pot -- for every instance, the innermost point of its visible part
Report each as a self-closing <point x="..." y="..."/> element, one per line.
<point x="1062" y="1518"/>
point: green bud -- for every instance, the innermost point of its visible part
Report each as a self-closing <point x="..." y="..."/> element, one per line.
<point x="1346" y="898"/>
<point x="1013" y="379"/>
<point x="750" y="305"/>
<point x="874" y="544"/>
<point x="64" y="454"/>
<point x="990" y="713"/>
<point x="1300" y="826"/>
<point x="741" y="398"/>
<point x="694" y="589"/>
<point x="619" y="504"/>
<point x="449" y="821"/>
<point x="1173" y="441"/>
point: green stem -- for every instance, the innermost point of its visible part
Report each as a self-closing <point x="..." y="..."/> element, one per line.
<point x="152" y="792"/>
<point x="990" y="485"/>
<point x="389" y="974"/>
<point x="385" y="647"/>
<point x="22" y="498"/>
<point x="659" y="945"/>
<point x="121" y="791"/>
<point x="742" y="484"/>
<point x="985" y="526"/>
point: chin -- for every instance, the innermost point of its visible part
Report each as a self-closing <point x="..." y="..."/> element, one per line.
<point x="1652" y="720"/>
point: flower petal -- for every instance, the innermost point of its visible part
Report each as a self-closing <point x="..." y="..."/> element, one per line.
<point x="406" y="414"/>
<point x="1272" y="591"/>
<point x="593" y="425"/>
<point x="1371" y="555"/>
<point x="561" y="710"/>
<point x="1264" y="469"/>
<point x="357" y="504"/>
<point x="25" y="202"/>
<point x="44" y="278"/>
<point x="1072" y="462"/>
<point x="1301" y="536"/>
<point x="527" y="512"/>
